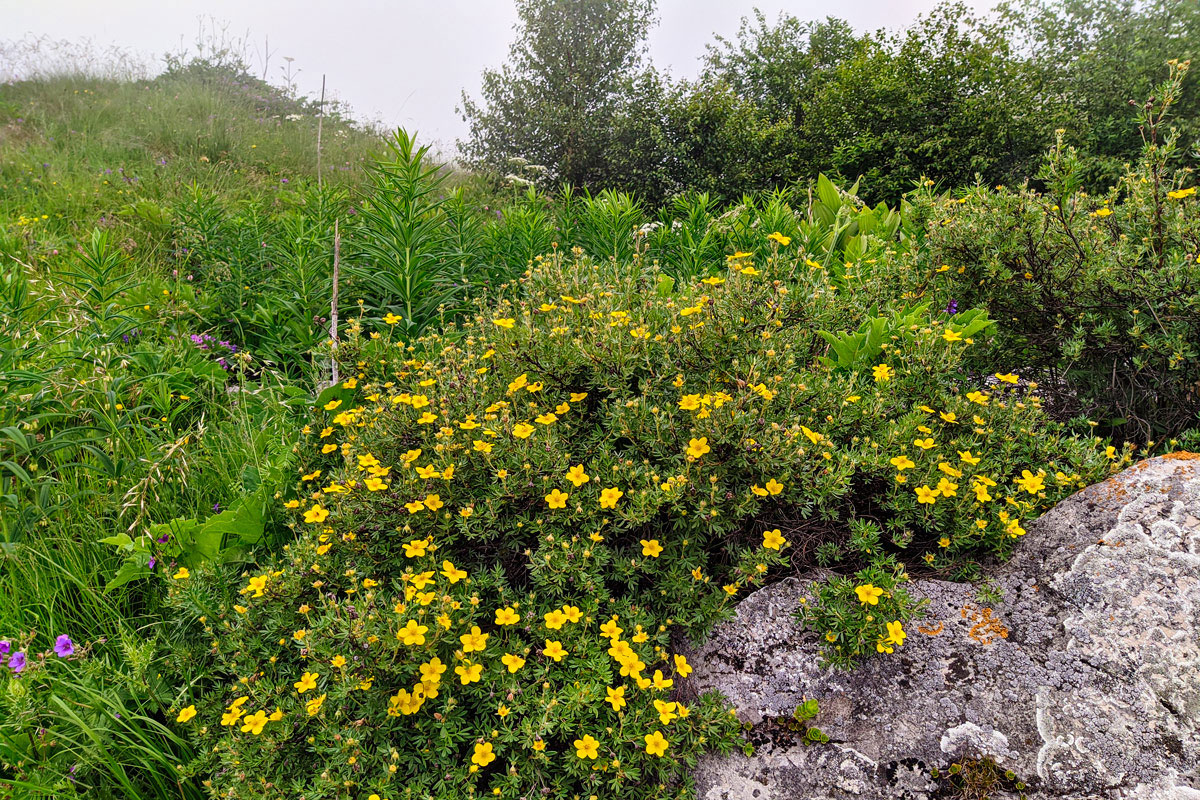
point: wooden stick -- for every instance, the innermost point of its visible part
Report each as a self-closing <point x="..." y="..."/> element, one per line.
<point x="333" y="305"/>
<point x="320" y="119"/>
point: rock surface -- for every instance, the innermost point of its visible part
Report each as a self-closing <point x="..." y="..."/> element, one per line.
<point x="1084" y="681"/>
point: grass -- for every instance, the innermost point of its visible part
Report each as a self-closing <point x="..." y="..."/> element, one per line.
<point x="113" y="420"/>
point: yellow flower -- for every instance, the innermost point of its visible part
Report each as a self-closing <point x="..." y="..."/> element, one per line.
<point x="523" y="430"/>
<point x="511" y="661"/>
<point x="186" y="713"/>
<point x="412" y="633"/>
<point x="554" y="649"/>
<point x="231" y="717"/>
<point x="307" y="681"/>
<point x="316" y="514"/>
<point x="255" y="722"/>
<point x="507" y="616"/>
<point x="666" y="711"/>
<point x="656" y="745"/>
<point x="773" y="539"/>
<point x="651" y="548"/>
<point x="417" y="547"/>
<point x="682" y="666"/>
<point x="433" y="502"/>
<point x="698" y="447"/>
<point x="783" y="241"/>
<point x="452" y="573"/>
<point x="314" y="706"/>
<point x="504" y="322"/>
<point x="868" y="594"/>
<point x="391" y="319"/>
<point x="181" y="574"/>
<point x="474" y="641"/>
<point x="1179" y="194"/>
<point x="482" y="446"/>
<point x="774" y="486"/>
<point x="925" y="444"/>
<point x="611" y="629"/>
<point x="539" y="745"/>
<point x="555" y="619"/>
<point x="1007" y="378"/>
<point x="468" y="672"/>
<point x="577" y="476"/>
<point x="572" y="613"/>
<point x="484" y="754"/>
<point x="896" y="634"/>
<point x="338" y="662"/>
<point x="610" y="496"/>
<point x="1030" y="482"/>
<point x="689" y="402"/>
<point x="557" y="499"/>
<point x="952" y="336"/>
<point x="902" y="463"/>
<point x="967" y="458"/>
<point x="926" y="495"/>
<point x="949" y="470"/>
<point x="661" y="682"/>
<point x="947" y="488"/>
<point x="882" y="373"/>
<point x="586" y="747"/>
<point x="616" y="697"/>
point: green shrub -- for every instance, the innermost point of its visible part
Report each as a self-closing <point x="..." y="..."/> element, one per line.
<point x="863" y="614"/>
<point x="1097" y="298"/>
<point x="589" y="451"/>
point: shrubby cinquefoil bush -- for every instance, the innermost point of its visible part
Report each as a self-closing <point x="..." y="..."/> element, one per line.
<point x="505" y="530"/>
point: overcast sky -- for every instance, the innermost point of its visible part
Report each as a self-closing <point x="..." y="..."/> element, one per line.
<point x="402" y="62"/>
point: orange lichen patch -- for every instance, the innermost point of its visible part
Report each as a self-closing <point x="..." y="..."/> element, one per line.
<point x="932" y="630"/>
<point x="1181" y="455"/>
<point x="986" y="628"/>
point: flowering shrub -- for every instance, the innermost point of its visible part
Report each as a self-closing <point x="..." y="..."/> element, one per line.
<point x="503" y="528"/>
<point x="1096" y="296"/>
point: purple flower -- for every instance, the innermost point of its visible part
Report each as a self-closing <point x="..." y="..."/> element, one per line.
<point x="5" y="647"/>
<point x="217" y="508"/>
<point x="952" y="307"/>
<point x="63" y="646"/>
<point x="16" y="662"/>
<point x="153" y="561"/>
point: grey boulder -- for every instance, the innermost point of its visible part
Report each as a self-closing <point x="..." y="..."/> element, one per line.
<point x="1084" y="682"/>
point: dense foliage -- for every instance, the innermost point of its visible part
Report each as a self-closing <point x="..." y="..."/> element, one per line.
<point x="504" y="524"/>
<point x="572" y="427"/>
<point x="951" y="97"/>
<point x="1097" y="295"/>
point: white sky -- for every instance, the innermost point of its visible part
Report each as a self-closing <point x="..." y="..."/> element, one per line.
<point x="401" y="62"/>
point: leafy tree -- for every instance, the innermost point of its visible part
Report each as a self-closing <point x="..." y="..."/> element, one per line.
<point x="1092" y="57"/>
<point x="554" y="100"/>
<point x="947" y="98"/>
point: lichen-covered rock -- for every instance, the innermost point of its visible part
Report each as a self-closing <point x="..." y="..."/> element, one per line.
<point x="1084" y="681"/>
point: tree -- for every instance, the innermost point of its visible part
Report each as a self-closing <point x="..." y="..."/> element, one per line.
<point x="1093" y="57"/>
<point x="553" y="101"/>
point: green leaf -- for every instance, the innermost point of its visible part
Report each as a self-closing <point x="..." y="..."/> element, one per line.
<point x="828" y="193"/>
<point x="133" y="569"/>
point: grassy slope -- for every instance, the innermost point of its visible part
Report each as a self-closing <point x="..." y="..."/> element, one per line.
<point x="77" y="155"/>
